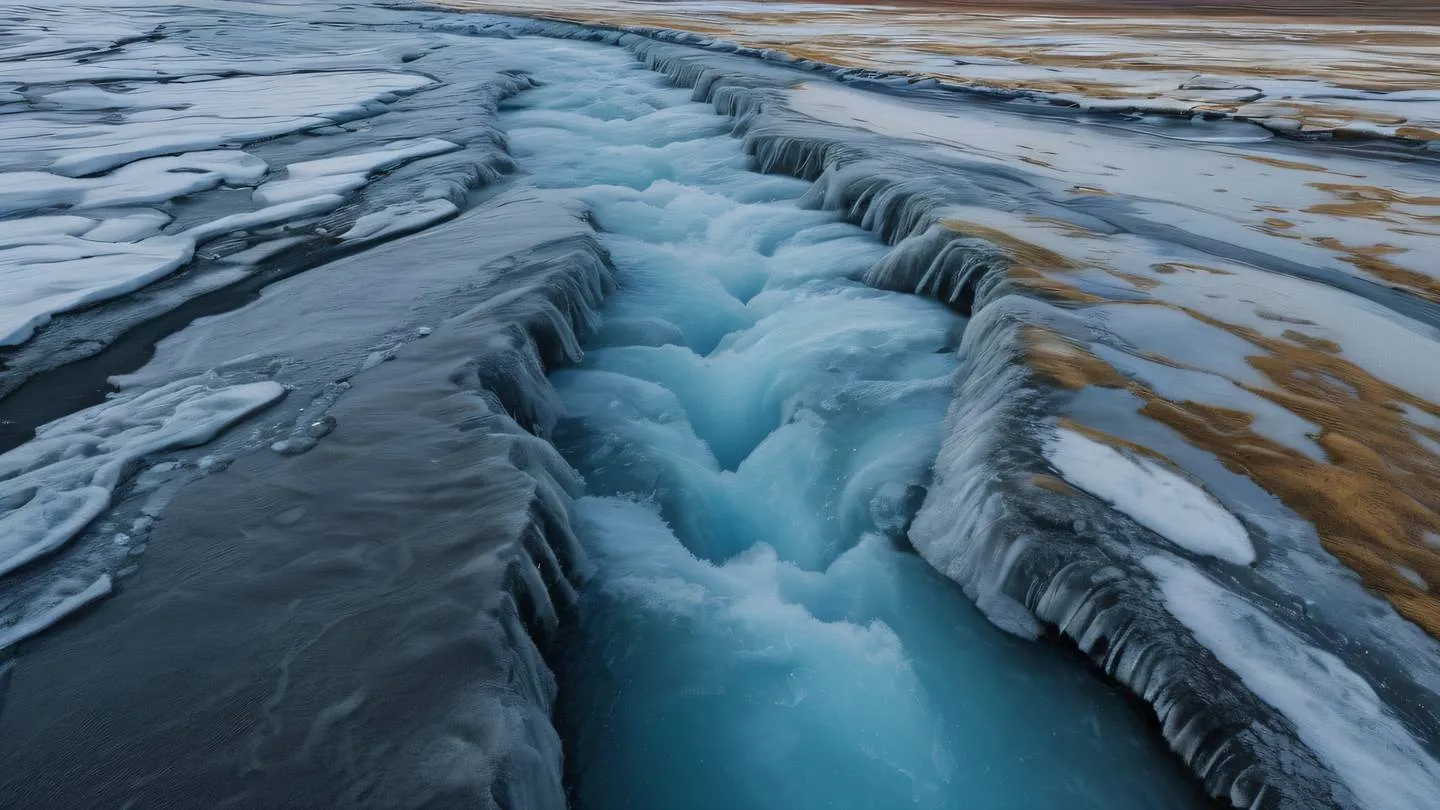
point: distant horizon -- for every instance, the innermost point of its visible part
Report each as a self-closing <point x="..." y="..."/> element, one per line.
<point x="1393" y="11"/>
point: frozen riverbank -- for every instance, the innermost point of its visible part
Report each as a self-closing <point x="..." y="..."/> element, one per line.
<point x="1135" y="381"/>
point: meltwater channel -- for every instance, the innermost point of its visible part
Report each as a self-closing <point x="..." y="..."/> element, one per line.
<point x="755" y="429"/>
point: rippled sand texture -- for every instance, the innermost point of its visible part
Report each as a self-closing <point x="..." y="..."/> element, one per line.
<point x="1308" y="74"/>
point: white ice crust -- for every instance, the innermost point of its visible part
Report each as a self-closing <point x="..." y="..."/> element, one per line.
<point x="1153" y="496"/>
<point x="341" y="175"/>
<point x="1334" y="710"/>
<point x="53" y="486"/>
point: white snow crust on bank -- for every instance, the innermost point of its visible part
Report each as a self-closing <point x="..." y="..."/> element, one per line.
<point x="111" y="151"/>
<point x="399" y="218"/>
<point x="341" y="175"/>
<point x="47" y="265"/>
<point x="53" y="486"/>
<point x="1335" y="711"/>
<point x="1156" y="498"/>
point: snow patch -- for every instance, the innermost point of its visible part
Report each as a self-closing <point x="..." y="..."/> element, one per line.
<point x="341" y="175"/>
<point x="1335" y="711"/>
<point x="46" y="268"/>
<point x="1156" y="498"/>
<point x="270" y="215"/>
<point x="53" y="486"/>
<point x="144" y="182"/>
<point x="399" y="218"/>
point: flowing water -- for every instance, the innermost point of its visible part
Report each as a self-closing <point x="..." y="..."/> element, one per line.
<point x="755" y="430"/>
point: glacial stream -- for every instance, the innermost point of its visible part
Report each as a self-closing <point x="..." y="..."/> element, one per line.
<point x="755" y="429"/>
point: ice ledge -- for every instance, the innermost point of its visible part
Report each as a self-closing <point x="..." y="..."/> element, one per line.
<point x="425" y="603"/>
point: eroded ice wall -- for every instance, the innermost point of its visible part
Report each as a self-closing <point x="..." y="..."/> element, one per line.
<point x="337" y="533"/>
<point x="371" y="582"/>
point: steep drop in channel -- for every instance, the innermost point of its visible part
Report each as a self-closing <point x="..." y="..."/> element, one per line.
<point x="755" y="430"/>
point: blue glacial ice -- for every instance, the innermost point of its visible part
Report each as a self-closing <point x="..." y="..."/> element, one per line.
<point x="755" y="429"/>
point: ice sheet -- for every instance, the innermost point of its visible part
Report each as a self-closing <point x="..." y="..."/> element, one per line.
<point x="341" y="175"/>
<point x="152" y="180"/>
<point x="56" y="271"/>
<point x="203" y="115"/>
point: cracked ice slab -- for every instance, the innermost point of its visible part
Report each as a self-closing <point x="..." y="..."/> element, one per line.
<point x="152" y="180"/>
<point x="161" y="142"/>
<point x="343" y="174"/>
<point x="193" y="116"/>
<point x="47" y="266"/>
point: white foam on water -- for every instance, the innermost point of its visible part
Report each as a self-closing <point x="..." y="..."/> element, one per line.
<point x="754" y="428"/>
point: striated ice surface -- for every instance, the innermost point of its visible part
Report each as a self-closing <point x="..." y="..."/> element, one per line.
<point x="433" y="560"/>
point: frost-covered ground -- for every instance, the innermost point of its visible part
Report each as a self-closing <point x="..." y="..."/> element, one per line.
<point x="460" y="410"/>
<point x="1313" y="74"/>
